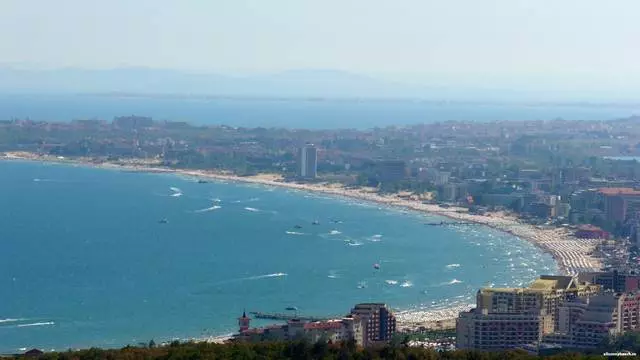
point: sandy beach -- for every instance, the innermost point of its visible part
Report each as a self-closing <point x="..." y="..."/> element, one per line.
<point x="572" y="255"/>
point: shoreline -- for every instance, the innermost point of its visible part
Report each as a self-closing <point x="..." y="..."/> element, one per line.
<point x="570" y="254"/>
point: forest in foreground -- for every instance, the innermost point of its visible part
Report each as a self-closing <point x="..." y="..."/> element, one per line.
<point x="298" y="350"/>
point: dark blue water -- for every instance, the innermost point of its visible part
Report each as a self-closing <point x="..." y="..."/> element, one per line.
<point x="292" y="113"/>
<point x="84" y="260"/>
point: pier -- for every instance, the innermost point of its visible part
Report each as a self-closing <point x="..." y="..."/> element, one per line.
<point x="283" y="316"/>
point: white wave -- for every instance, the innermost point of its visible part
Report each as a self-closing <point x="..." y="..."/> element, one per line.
<point x="45" y="323"/>
<point x="280" y="274"/>
<point x="376" y="237"/>
<point x="208" y="209"/>
<point x="175" y="189"/>
<point x="294" y="233"/>
<point x="332" y="276"/>
<point x="253" y="199"/>
<point x="524" y="264"/>
<point x="10" y="320"/>
<point x="355" y="243"/>
<point x="251" y="209"/>
<point x="391" y="282"/>
<point x="406" y="284"/>
<point x="44" y="180"/>
<point x="178" y="194"/>
<point x="216" y="200"/>
<point x="335" y="232"/>
<point x="451" y="266"/>
<point x="454" y="281"/>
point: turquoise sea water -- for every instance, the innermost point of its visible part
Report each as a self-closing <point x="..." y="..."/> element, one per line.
<point x="84" y="260"/>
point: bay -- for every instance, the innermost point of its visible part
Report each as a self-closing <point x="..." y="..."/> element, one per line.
<point x="85" y="260"/>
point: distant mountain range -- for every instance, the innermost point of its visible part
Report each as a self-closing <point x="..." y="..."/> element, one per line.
<point x="289" y="84"/>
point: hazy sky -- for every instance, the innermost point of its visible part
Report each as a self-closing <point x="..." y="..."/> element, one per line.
<point x="580" y="41"/>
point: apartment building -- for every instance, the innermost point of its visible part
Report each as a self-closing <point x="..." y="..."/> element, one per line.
<point x="601" y="319"/>
<point x="586" y="324"/>
<point x="507" y="318"/>
<point x="379" y="323"/>
<point x="499" y="331"/>
<point x="616" y="281"/>
<point x="544" y="294"/>
<point x="630" y="311"/>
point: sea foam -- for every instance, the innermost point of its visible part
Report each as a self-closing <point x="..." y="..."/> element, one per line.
<point x="44" y="323"/>
<point x="215" y="207"/>
<point x="279" y="274"/>
<point x="376" y="238"/>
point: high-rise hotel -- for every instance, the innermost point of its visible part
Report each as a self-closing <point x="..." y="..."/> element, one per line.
<point x="308" y="162"/>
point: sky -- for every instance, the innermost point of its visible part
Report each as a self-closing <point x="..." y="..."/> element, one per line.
<point x="571" y="43"/>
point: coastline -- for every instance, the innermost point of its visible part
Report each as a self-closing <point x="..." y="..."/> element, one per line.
<point x="571" y="255"/>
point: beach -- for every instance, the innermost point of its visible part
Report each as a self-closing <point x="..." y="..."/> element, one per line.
<point x="571" y="254"/>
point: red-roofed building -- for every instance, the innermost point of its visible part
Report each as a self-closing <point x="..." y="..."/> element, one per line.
<point x="323" y="325"/>
<point x="617" y="202"/>
<point x="619" y="192"/>
<point x="591" y="232"/>
<point x="244" y="322"/>
<point x="351" y="327"/>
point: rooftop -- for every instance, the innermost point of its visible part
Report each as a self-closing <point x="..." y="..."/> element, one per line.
<point x="543" y="284"/>
<point x="619" y="191"/>
<point x="589" y="227"/>
<point x="323" y="325"/>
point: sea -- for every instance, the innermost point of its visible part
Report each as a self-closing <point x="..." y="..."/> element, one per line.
<point x="293" y="113"/>
<point x="103" y="257"/>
